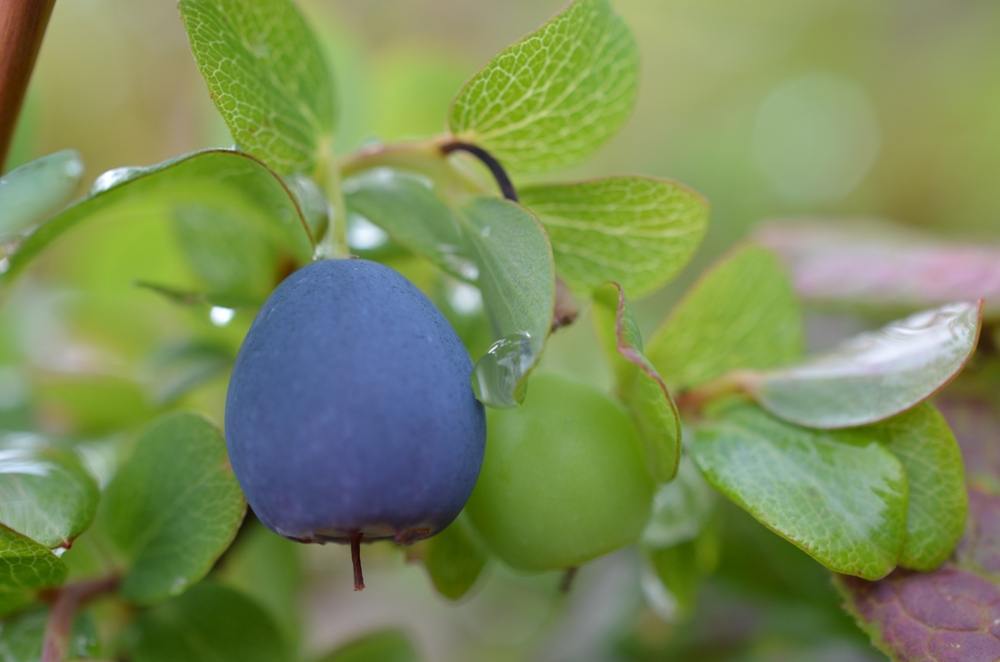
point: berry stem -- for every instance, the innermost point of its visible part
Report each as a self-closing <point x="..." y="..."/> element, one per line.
<point x="499" y="174"/>
<point x="566" y="583"/>
<point x="65" y="600"/>
<point x="359" y="579"/>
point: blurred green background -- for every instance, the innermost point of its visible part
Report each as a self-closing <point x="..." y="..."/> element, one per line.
<point x="775" y="108"/>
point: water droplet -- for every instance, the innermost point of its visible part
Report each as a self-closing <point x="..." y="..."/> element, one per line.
<point x="498" y="378"/>
<point x="4" y="265"/>
<point x="220" y="316"/>
<point x="464" y="298"/>
<point x="114" y="177"/>
<point x="178" y="585"/>
<point x="59" y="551"/>
<point x="364" y="235"/>
<point x="485" y="232"/>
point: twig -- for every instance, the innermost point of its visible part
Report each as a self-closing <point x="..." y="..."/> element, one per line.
<point x="359" y="579"/>
<point x="731" y="383"/>
<point x="22" y="26"/>
<point x="65" y="601"/>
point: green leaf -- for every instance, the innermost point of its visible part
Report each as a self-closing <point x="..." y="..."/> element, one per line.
<point x="31" y="193"/>
<point x="268" y="78"/>
<point x="93" y="405"/>
<point x="173" y="507"/>
<point x="740" y="314"/>
<point x="555" y="96"/>
<point x="382" y="646"/>
<point x="22" y="635"/>
<point x="266" y="567"/>
<point x="635" y="231"/>
<point x="232" y="183"/>
<point x="494" y="244"/>
<point x="682" y="567"/>
<point x="874" y="375"/>
<point x="176" y="370"/>
<point x="938" y="502"/>
<point x="26" y="564"/>
<point x="454" y="559"/>
<point x="209" y="623"/>
<point x="840" y="496"/>
<point x="681" y="508"/>
<point x="46" y="494"/>
<point x="639" y="385"/>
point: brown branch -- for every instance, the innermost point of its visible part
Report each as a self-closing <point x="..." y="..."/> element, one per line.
<point x="22" y="26"/>
<point x="65" y="601"/>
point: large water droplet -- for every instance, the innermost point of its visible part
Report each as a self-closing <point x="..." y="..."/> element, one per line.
<point x="113" y="178"/>
<point x="498" y="378"/>
<point x="220" y="316"/>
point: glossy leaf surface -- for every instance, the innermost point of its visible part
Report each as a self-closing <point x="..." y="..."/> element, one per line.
<point x="213" y="179"/>
<point x="266" y="73"/>
<point x="31" y="193"/>
<point x="874" y="375"/>
<point x="840" y="496"/>
<point x="555" y="96"/>
<point x="173" y="507"/>
<point x="640" y="387"/>
<point x="209" y="623"/>
<point x="46" y="495"/>
<point x="635" y="231"/>
<point x="381" y="646"/>
<point x="26" y="564"/>
<point x="740" y="314"/>
<point x="454" y="559"/>
<point x="494" y="244"/>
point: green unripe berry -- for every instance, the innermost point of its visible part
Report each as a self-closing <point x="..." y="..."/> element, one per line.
<point x="564" y="479"/>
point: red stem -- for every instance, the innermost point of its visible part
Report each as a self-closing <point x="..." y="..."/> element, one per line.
<point x="359" y="579"/>
<point x="22" y="26"/>
<point x="64" y="604"/>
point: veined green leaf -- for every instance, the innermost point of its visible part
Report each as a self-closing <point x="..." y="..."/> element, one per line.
<point x="494" y="244"/>
<point x="267" y="76"/>
<point x="840" y="496"/>
<point x="234" y="184"/>
<point x="740" y="314"/>
<point x="454" y="559"/>
<point x="26" y="564"/>
<point x="382" y="646"/>
<point x="22" y="637"/>
<point x="874" y="375"/>
<point x="31" y="193"/>
<point x="173" y="507"/>
<point x="46" y="495"/>
<point x="555" y="96"/>
<point x="635" y="231"/>
<point x="639" y="385"/>
<point x="938" y="501"/>
<point x="209" y="623"/>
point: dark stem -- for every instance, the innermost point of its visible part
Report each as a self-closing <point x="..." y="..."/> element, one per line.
<point x="22" y="26"/>
<point x="359" y="579"/>
<point x="499" y="174"/>
<point x="567" y="579"/>
<point x="65" y="601"/>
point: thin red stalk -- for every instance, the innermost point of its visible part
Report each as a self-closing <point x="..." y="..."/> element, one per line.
<point x="22" y="26"/>
<point x="359" y="579"/>
<point x="65" y="601"/>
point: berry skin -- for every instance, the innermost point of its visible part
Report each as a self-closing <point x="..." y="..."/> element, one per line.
<point x="350" y="409"/>
<point x="564" y="480"/>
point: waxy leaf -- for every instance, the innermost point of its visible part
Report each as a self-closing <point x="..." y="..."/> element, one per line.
<point x="46" y="495"/>
<point x="26" y="564"/>
<point x="874" y="375"/>
<point x="173" y="507"/>
<point x="555" y="96"/>
<point x="635" y="231"/>
<point x="268" y="78"/>
<point x="639" y="385"/>
<point x="34" y="191"/>
<point x="879" y="266"/>
<point x="839" y="496"/>
<point x="740" y="314"/>
<point x="209" y="623"/>
<point x="22" y="637"/>
<point x="494" y="244"/>
<point x="935" y="516"/>
<point x="382" y="646"/>
<point x="234" y="184"/>
<point x="454" y="559"/>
